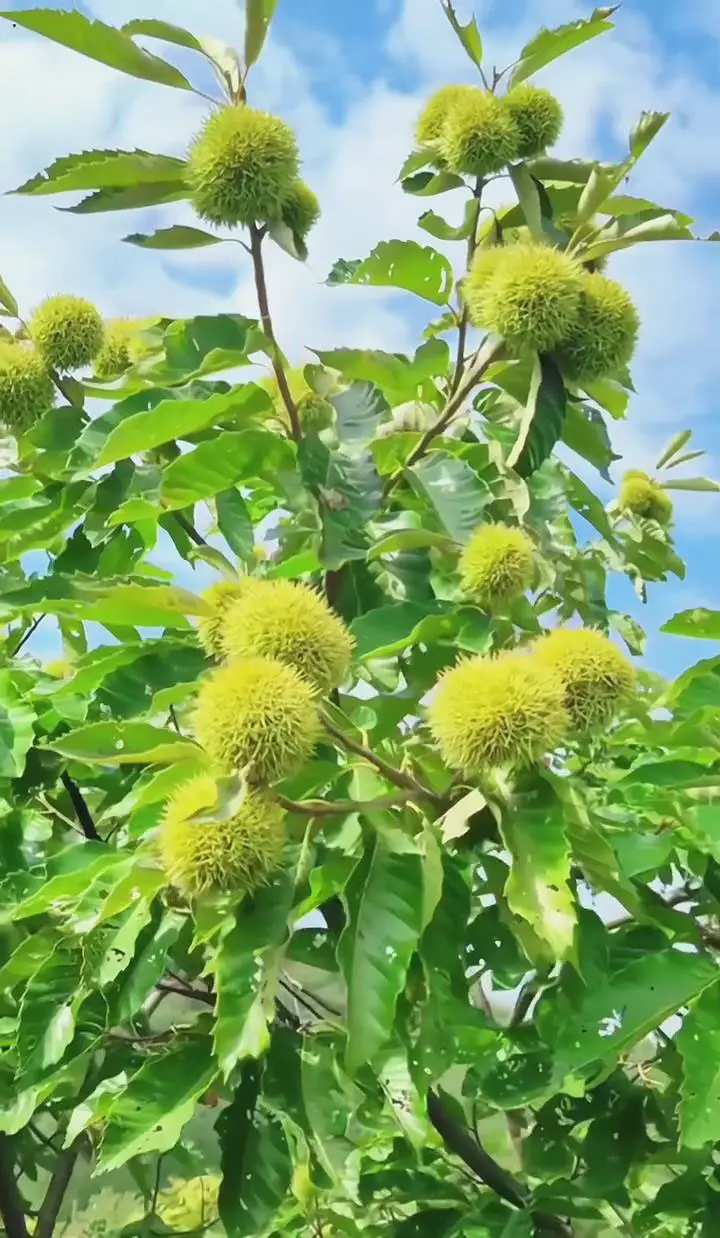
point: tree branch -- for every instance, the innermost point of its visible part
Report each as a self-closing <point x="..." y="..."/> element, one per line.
<point x="55" y="1193"/>
<point x="340" y="808"/>
<point x="469" y="1149"/>
<point x="486" y="354"/>
<point x="390" y="772"/>
<point x="471" y="1152"/>
<point x="256" y="239"/>
<point x="464" y="316"/>
<point x="82" y="812"/>
<point x="11" y="1209"/>
<point x="26" y="636"/>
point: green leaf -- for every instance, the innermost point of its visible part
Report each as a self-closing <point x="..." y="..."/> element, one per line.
<point x="538" y="887"/>
<point x="258" y="15"/>
<point x="148" y="966"/>
<point x="699" y="484"/>
<point x="588" y="505"/>
<point x="675" y="446"/>
<point x="429" y="184"/>
<point x="224" y="59"/>
<point x="410" y="539"/>
<point x="438" y="227"/>
<point x="385" y="632"/>
<point x="246" y="974"/>
<point x="7" y="300"/>
<point x="625" y="232"/>
<point x="401" y="264"/>
<point x="66" y="879"/>
<point x="699" y="1044"/>
<point x="121" y="941"/>
<point x="16" y="727"/>
<point x="384" y="900"/>
<point x="701" y="623"/>
<point x="125" y="743"/>
<point x="222" y="462"/>
<point x="149" y="1115"/>
<point x="526" y="188"/>
<point x="47" y="1011"/>
<point x="360" y="410"/>
<point x="542" y="421"/>
<point x="329" y="1099"/>
<point x="104" y="169"/>
<point x="397" y="375"/>
<point x="585" y="432"/>
<point x="235" y="524"/>
<point x="175" y="419"/>
<point x="256" y="1163"/>
<point x="548" y="45"/>
<point x="178" y="237"/>
<point x="154" y="193"/>
<point x="647" y="128"/>
<point x="626" y="1006"/>
<point x="454" y="490"/>
<point x="210" y="343"/>
<point x="468" y="35"/>
<point x="98" y="42"/>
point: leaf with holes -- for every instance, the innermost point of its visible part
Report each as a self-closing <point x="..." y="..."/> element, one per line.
<point x="401" y="264"/>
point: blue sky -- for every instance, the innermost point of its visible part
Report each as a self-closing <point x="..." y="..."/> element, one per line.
<point x="350" y="76"/>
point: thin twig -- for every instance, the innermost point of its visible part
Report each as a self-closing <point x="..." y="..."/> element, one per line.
<point x="82" y="812"/>
<point x="464" y="316"/>
<point x="156" y="1187"/>
<point x="11" y="1207"/>
<point x="26" y="635"/>
<point x="256" y="239"/>
<point x="388" y="771"/>
<point x="340" y="808"/>
<point x="188" y="527"/>
<point x="470" y="1150"/>
<point x="489" y="351"/>
<point x="192" y="994"/>
<point x="59" y="1183"/>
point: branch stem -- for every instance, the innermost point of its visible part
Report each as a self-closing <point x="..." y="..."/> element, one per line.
<point x="256" y="240"/>
<point x="59" y="1183"/>
<point x="11" y="1209"/>
<point x="488" y="352"/>
<point x="394" y="775"/>
<point x="82" y="812"/>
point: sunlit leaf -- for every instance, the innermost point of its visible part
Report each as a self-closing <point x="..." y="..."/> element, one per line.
<point x="159" y="1100"/>
<point x="630" y="1003"/>
<point x="385" y="907"/>
<point x="548" y="45"/>
<point x="538" y="888"/>
<point x="98" y="42"/>
<point x="178" y="237"/>
<point x="401" y="264"/>
<point x="123" y="743"/>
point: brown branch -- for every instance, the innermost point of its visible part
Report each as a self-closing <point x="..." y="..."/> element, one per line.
<point x="11" y="1208"/>
<point x="59" y="1183"/>
<point x="388" y="771"/>
<point x="188" y="527"/>
<point x="464" y="316"/>
<point x="340" y="808"/>
<point x="489" y="351"/>
<point x="256" y="240"/>
<point x="26" y="635"/>
<point x="469" y="1149"/>
<point x="82" y="812"/>
<point x="190" y="993"/>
